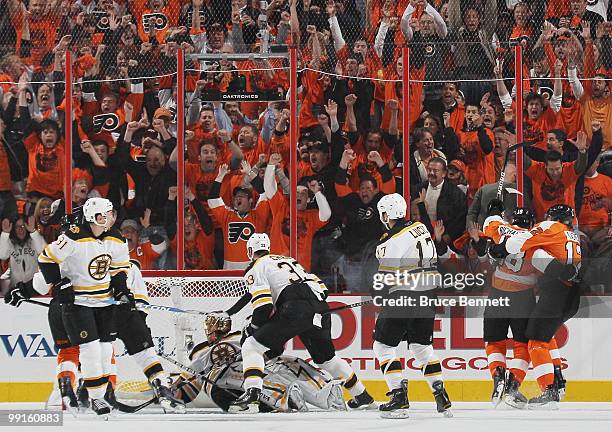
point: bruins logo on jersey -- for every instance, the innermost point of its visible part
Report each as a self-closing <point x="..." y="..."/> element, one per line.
<point x="99" y="266"/>
<point x="239" y="231"/>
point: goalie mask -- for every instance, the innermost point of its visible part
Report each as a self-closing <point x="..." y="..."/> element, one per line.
<point x="391" y="207"/>
<point x="216" y="327"/>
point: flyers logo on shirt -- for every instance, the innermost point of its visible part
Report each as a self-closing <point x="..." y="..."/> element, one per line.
<point x="102" y="22"/>
<point x="46" y="162"/>
<point x="108" y="122"/>
<point x="239" y="231"/>
<point x="157" y="21"/>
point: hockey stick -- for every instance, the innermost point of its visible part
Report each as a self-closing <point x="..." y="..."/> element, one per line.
<point x="36" y="302"/>
<point x="502" y="175"/>
<point x="349" y="306"/>
<point x="84" y="302"/>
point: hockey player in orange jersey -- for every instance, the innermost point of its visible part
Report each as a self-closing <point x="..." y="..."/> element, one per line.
<point x="514" y="279"/>
<point x="556" y="252"/>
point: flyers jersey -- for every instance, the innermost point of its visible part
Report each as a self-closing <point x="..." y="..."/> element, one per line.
<point x="552" y="237"/>
<point x="517" y="273"/>
<point x="237" y="230"/>
<point x="268" y="276"/>
<point x="89" y="262"/>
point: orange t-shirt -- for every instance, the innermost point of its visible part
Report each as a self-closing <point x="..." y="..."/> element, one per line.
<point x="198" y="252"/>
<point x="46" y="167"/>
<point x="312" y="95"/>
<point x="200" y="182"/>
<point x="536" y="130"/>
<point x="238" y="229"/>
<point x="308" y="223"/>
<point x="480" y="167"/>
<point x="547" y="193"/>
<point x="594" y="212"/>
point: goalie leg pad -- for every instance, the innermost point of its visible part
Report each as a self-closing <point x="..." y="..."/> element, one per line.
<point x="340" y="369"/>
<point x="390" y="364"/>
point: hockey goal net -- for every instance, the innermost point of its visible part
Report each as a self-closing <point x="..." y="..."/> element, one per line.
<point x="175" y="334"/>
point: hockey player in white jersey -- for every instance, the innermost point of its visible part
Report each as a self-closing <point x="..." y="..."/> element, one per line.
<point x="287" y="301"/>
<point x="407" y="270"/>
<point x="94" y="263"/>
<point x="289" y="383"/>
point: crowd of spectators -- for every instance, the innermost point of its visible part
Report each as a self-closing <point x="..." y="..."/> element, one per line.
<point x="350" y="152"/>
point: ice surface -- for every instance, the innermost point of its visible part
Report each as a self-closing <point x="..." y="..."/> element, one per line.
<point x="468" y="417"/>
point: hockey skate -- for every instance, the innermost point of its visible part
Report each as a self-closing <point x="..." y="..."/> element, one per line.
<point x="82" y="396"/>
<point x="397" y="407"/>
<point x="166" y="398"/>
<point x="69" y="399"/>
<point x="499" y="383"/>
<point x="248" y="403"/>
<point x="560" y="383"/>
<point x="512" y="395"/>
<point x="101" y="407"/>
<point x="443" y="403"/>
<point x="362" y="401"/>
<point x="547" y="400"/>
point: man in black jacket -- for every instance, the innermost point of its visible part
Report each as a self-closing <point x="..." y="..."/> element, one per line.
<point x="443" y="200"/>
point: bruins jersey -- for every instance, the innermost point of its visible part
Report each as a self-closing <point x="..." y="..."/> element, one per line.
<point x="89" y="262"/>
<point x="407" y="250"/>
<point x="549" y="240"/>
<point x="213" y="363"/>
<point x="268" y="276"/>
<point x="137" y="285"/>
<point x="517" y="273"/>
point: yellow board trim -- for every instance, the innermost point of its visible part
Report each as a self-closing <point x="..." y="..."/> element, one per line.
<point x="460" y="391"/>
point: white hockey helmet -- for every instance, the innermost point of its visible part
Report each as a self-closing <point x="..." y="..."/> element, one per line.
<point x="392" y="206"/>
<point x="96" y="206"/>
<point x="257" y="242"/>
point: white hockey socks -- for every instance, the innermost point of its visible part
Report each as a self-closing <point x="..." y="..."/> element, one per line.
<point x="253" y="363"/>
<point x="91" y="366"/>
<point x="390" y="365"/>
<point x="340" y="369"/>
<point x="148" y="361"/>
<point x="428" y="362"/>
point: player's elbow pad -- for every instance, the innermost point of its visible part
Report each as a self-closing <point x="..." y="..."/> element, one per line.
<point x="261" y="315"/>
<point x="51" y="272"/>
<point x="558" y="270"/>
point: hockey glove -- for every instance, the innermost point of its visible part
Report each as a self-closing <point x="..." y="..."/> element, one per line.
<point x="495" y="207"/>
<point x="64" y="292"/>
<point x="564" y="272"/>
<point x="126" y="300"/>
<point x="19" y="294"/>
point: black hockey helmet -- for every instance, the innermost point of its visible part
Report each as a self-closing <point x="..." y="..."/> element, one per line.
<point x="495" y="207"/>
<point x="523" y="217"/>
<point x="561" y="213"/>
